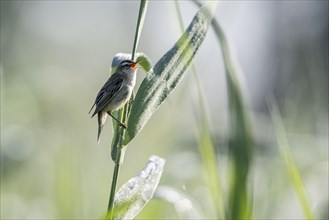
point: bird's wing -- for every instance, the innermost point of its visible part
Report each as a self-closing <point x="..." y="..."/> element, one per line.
<point x="92" y="107"/>
<point x="107" y="92"/>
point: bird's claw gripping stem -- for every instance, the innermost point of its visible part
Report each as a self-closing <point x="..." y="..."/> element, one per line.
<point x="123" y="125"/>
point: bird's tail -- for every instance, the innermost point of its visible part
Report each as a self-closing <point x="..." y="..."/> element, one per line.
<point x="101" y="121"/>
<point x="100" y="127"/>
<point x="92" y="108"/>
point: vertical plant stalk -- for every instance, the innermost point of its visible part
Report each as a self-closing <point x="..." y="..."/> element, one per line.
<point x="140" y="21"/>
<point x="206" y="146"/>
<point x="124" y="113"/>
<point x="116" y="166"/>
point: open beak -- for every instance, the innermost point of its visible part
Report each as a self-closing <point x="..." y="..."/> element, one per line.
<point x="135" y="65"/>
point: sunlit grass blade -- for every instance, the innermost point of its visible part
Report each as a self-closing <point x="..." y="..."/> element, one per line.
<point x="168" y="72"/>
<point x="241" y="141"/>
<point x="292" y="169"/>
<point x="211" y="170"/>
<point x="137" y="192"/>
<point x="206" y="146"/>
<point x="240" y="148"/>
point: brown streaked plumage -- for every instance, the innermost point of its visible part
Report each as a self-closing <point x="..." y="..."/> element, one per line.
<point x="115" y="93"/>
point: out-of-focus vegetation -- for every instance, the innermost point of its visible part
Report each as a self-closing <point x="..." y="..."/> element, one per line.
<point x="56" y="55"/>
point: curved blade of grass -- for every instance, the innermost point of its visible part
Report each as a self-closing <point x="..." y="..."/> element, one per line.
<point x="292" y="169"/>
<point x="241" y="140"/>
<point x="138" y="191"/>
<point x="211" y="171"/>
<point x="146" y="65"/>
<point x="206" y="146"/>
<point x="168" y="71"/>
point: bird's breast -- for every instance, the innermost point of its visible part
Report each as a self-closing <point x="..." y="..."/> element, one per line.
<point x="131" y="78"/>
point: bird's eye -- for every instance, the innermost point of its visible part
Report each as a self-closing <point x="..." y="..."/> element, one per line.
<point x="125" y="64"/>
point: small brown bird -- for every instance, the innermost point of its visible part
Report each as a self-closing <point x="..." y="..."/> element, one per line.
<point x="115" y="93"/>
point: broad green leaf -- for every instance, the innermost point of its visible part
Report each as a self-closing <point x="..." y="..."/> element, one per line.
<point x="146" y="65"/>
<point x="137" y="192"/>
<point x="168" y="72"/>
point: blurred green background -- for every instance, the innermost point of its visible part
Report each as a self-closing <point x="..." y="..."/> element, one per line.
<point x="55" y="56"/>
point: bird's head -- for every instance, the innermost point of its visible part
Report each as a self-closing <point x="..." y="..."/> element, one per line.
<point x="128" y="65"/>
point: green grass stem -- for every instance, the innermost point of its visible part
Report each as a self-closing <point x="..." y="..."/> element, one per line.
<point x="124" y="113"/>
<point x="140" y="22"/>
